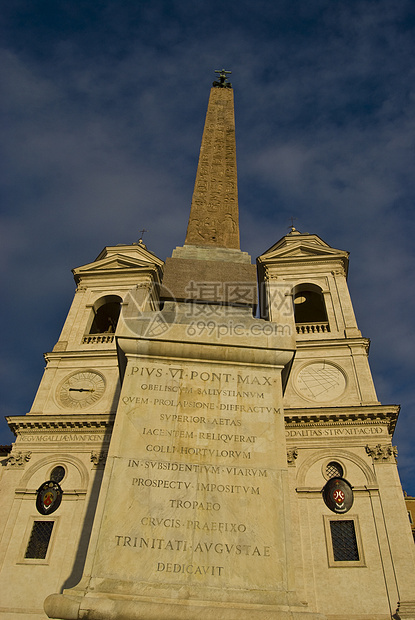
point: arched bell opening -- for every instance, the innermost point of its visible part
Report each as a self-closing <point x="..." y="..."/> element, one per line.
<point x="103" y="320"/>
<point x="106" y="315"/>
<point x="310" y="309"/>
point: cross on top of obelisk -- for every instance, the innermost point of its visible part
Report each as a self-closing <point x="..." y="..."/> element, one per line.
<point x="222" y="79"/>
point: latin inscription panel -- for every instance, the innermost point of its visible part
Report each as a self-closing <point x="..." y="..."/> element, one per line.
<point x="195" y="494"/>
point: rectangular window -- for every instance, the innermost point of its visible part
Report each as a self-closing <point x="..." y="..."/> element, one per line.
<point x="343" y="541"/>
<point x="39" y="540"/>
<point x="343" y="538"/>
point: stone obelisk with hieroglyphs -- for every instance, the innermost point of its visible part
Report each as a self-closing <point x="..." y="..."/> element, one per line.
<point x="214" y="217"/>
<point x="193" y="519"/>
<point x="211" y="253"/>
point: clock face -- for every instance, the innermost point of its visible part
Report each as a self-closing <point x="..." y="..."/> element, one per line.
<point x="81" y="389"/>
<point x="320" y="381"/>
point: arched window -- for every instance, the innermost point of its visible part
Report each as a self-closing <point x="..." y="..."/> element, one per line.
<point x="310" y="309"/>
<point x="106" y="313"/>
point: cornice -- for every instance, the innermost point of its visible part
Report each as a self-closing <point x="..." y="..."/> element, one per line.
<point x="332" y="342"/>
<point x="81" y="354"/>
<point x="67" y="422"/>
<point x="296" y="261"/>
<point x="294" y="418"/>
<point x="118" y="272"/>
<point x="342" y="416"/>
<point x="360" y="490"/>
<point x="178" y="346"/>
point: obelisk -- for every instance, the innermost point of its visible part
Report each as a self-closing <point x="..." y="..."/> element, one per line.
<point x="211" y="251"/>
<point x="193" y="519"/>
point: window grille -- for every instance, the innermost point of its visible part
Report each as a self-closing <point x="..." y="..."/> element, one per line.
<point x="343" y="538"/>
<point x="334" y="470"/>
<point x="39" y="540"/>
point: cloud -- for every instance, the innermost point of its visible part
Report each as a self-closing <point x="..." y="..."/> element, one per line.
<point x="104" y="111"/>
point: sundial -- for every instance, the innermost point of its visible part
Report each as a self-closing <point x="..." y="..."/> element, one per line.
<point x="321" y="381"/>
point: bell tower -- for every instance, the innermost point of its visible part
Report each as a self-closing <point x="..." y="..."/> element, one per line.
<point x="65" y="436"/>
<point x="331" y="361"/>
<point x="346" y="499"/>
<point x="81" y="373"/>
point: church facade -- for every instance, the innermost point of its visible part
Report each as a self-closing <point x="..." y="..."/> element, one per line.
<point x="183" y="459"/>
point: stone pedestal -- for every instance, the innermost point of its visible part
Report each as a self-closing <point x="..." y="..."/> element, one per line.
<point x="193" y="519"/>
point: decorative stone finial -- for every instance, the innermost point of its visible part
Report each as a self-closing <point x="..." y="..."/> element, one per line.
<point x="292" y="227"/>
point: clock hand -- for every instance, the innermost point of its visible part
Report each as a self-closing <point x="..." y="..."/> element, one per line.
<point x="81" y="390"/>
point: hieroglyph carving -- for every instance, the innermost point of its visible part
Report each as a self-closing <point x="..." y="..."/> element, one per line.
<point x="214" y="212"/>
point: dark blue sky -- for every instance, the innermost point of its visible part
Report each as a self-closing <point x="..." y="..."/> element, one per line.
<point x="102" y="109"/>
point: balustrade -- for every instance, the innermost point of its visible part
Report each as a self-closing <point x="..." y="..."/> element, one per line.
<point x="97" y="338"/>
<point x="312" y="328"/>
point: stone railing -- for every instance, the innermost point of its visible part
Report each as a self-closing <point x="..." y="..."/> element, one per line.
<point x="97" y="338"/>
<point x="312" y="328"/>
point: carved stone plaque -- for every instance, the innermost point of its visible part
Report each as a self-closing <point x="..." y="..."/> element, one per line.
<point x="199" y="475"/>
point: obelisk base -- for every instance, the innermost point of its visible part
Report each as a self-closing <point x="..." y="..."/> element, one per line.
<point x="104" y="608"/>
<point x="193" y="521"/>
<point x="405" y="611"/>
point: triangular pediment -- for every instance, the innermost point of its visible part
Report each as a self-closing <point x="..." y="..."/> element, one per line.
<point x="301" y="247"/>
<point x="113" y="262"/>
<point x="115" y="258"/>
